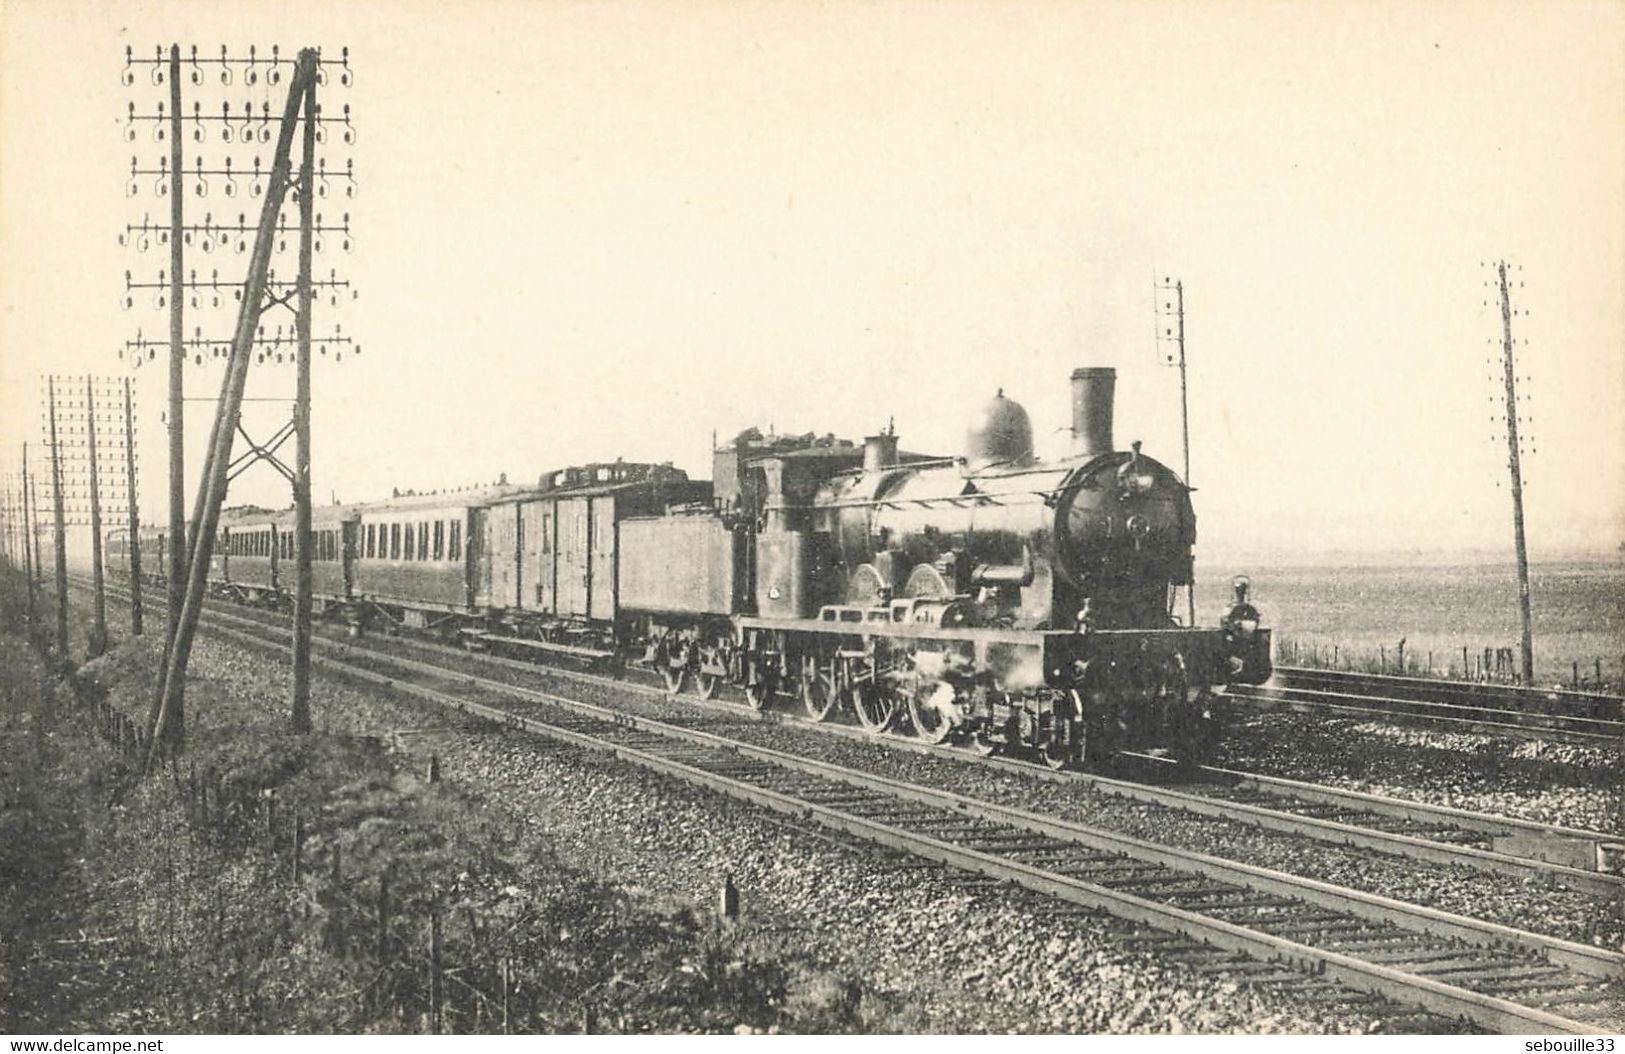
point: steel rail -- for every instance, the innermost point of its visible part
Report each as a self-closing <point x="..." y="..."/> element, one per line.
<point x="1432" y="687"/>
<point x="1438" y="996"/>
<point x="1281" y="820"/>
<point x="1596" y="731"/>
<point x="1423" y="707"/>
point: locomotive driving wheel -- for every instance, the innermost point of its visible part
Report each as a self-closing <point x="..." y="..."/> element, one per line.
<point x="820" y="686"/>
<point x="875" y="702"/>
<point x="928" y="710"/>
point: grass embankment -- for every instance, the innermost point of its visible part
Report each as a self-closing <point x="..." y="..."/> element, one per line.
<point x="171" y="903"/>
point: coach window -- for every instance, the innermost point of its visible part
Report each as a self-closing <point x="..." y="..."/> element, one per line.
<point x="394" y="541"/>
<point x="455" y="549"/>
<point x="372" y="535"/>
<point x="409" y="547"/>
<point x="440" y="539"/>
<point x="423" y="540"/>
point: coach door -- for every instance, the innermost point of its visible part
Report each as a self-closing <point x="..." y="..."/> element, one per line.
<point x="348" y="550"/>
<point x="602" y="598"/>
<point x="504" y="538"/>
<point x="574" y="556"/>
<point x="536" y="526"/>
<point x="477" y="562"/>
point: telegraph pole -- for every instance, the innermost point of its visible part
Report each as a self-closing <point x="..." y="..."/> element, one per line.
<point x="133" y="521"/>
<point x="33" y="527"/>
<point x="1515" y="467"/>
<point x="98" y="630"/>
<point x="30" y="543"/>
<point x="212" y="490"/>
<point x="177" y="356"/>
<point x="1175" y="334"/>
<point x="61" y="535"/>
<point x="301" y="417"/>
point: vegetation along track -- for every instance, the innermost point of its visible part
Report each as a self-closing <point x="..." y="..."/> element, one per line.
<point x="1556" y="714"/>
<point x="1494" y="976"/>
<point x="1412" y="830"/>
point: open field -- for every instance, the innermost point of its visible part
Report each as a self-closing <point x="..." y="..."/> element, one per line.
<point x="1579" y="611"/>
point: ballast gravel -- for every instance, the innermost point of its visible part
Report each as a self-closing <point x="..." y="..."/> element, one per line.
<point x="978" y="958"/>
<point x="1523" y="904"/>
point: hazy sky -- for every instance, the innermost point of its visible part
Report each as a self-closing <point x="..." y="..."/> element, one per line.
<point x="596" y="230"/>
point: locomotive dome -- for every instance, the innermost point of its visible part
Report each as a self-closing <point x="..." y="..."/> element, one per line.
<point x="1000" y="433"/>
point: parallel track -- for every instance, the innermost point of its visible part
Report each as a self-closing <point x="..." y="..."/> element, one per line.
<point x="1553" y="714"/>
<point x="1494" y="976"/>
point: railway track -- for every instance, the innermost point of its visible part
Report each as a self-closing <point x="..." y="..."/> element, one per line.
<point x="1493" y="976"/>
<point x="1411" y="830"/>
<point x="1555" y="714"/>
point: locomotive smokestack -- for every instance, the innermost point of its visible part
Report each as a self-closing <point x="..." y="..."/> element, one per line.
<point x="879" y="452"/>
<point x="1092" y="391"/>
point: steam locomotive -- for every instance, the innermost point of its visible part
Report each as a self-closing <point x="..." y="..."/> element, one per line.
<point x="987" y="599"/>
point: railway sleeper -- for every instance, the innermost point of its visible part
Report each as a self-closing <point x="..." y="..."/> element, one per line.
<point x="1197" y="897"/>
<point x="1321" y="932"/>
<point x="1585" y="999"/>
<point x="1464" y="962"/>
<point x="1092" y="869"/>
<point x="1251" y="911"/>
<point x="1511" y="977"/>
<point x="1412" y="959"/>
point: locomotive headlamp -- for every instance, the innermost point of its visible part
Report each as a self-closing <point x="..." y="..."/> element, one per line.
<point x="1242" y="616"/>
<point x="1130" y="480"/>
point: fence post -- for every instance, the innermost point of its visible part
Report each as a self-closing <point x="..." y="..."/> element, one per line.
<point x="298" y="842"/>
<point x="1401" y="656"/>
<point x="506" y="979"/>
<point x="434" y="968"/>
<point x="383" y="918"/>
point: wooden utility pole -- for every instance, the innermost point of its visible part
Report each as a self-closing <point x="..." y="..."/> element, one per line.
<point x="1515" y="467"/>
<point x="98" y="626"/>
<point x="177" y="357"/>
<point x="61" y="535"/>
<point x="1175" y="334"/>
<point x="301" y="417"/>
<point x="212" y="490"/>
<point x="30" y="543"/>
<point x="133" y="521"/>
<point x="33" y="530"/>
